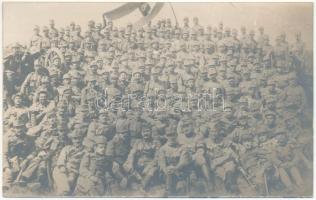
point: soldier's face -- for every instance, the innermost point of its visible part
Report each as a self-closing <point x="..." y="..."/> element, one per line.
<point x="43" y="98"/>
<point x="100" y="149"/>
<point x="18" y="101"/>
<point x="76" y="141"/>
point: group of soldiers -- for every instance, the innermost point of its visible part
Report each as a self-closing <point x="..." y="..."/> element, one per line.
<point x="166" y="108"/>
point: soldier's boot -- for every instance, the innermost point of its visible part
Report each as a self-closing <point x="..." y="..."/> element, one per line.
<point x="297" y="176"/>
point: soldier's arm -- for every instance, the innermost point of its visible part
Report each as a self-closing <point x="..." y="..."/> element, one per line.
<point x="25" y="84"/>
<point x="61" y="161"/>
<point x="35" y="131"/>
<point x="84" y="166"/>
<point x="184" y="159"/>
<point x="162" y="161"/>
<point x="128" y="165"/>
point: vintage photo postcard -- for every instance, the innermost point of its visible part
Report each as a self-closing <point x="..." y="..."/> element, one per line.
<point x="146" y="99"/>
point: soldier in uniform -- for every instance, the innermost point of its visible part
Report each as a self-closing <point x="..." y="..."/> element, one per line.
<point x="173" y="159"/>
<point x="141" y="164"/>
<point x="95" y="172"/>
<point x="36" y="40"/>
<point x="66" y="171"/>
<point x="16" y="148"/>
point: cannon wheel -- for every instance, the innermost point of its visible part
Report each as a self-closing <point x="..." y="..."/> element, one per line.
<point x="52" y="53"/>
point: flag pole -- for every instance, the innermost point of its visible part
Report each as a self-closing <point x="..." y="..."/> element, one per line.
<point x="174" y="14"/>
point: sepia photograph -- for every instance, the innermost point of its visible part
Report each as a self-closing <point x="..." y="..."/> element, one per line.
<point x="157" y="99"/>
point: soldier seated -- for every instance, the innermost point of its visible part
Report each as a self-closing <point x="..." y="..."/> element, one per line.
<point x="173" y="160"/>
<point x="141" y="163"/>
<point x="95" y="173"/>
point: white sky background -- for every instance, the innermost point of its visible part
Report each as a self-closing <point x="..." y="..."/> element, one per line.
<point x="19" y="19"/>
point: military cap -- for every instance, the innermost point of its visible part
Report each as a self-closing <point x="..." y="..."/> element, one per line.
<point x="90" y="78"/>
<point x="66" y="76"/>
<point x="45" y="79"/>
<point x="270" y="99"/>
<point x="137" y="70"/>
<point x="243" y="114"/>
<point x="17" y="95"/>
<point x="75" y="74"/>
<point x="155" y="70"/>
<point x="68" y="54"/>
<point x="173" y="80"/>
<point x="212" y="71"/>
<point x="88" y="142"/>
<point x="230" y="75"/>
<point x="211" y="63"/>
<point x="90" y="54"/>
<point x="243" y="99"/>
<point x="100" y="139"/>
<point x="221" y="69"/>
<point x="77" y="133"/>
<point x="188" y="62"/>
<point x="16" y="45"/>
